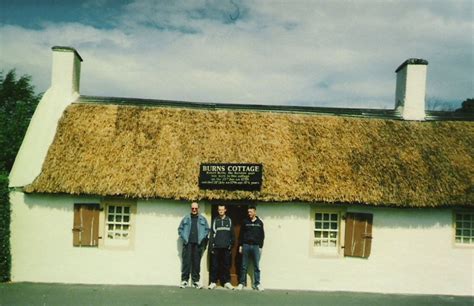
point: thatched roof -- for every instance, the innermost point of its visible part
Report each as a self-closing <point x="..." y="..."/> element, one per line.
<point x="155" y="152"/>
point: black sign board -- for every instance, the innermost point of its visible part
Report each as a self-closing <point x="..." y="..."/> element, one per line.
<point x="231" y="176"/>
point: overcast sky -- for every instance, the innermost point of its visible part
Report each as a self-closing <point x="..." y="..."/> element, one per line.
<point x="316" y="53"/>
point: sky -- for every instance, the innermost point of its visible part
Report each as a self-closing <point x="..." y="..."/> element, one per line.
<point x="307" y="53"/>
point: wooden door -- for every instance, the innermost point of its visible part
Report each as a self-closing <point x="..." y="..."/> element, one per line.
<point x="86" y="225"/>
<point x="358" y="236"/>
<point x="237" y="213"/>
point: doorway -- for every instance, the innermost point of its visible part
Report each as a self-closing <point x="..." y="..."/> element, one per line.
<point x="237" y="213"/>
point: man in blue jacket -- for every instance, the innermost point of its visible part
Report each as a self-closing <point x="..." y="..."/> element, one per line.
<point x="193" y="231"/>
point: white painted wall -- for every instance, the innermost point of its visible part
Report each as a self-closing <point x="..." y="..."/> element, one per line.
<point x="42" y="251"/>
<point x="412" y="250"/>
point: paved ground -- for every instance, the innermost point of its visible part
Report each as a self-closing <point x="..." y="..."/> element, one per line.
<point x="67" y="294"/>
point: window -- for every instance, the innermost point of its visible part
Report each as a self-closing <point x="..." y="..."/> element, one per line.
<point x="334" y="231"/>
<point x="108" y="224"/>
<point x="464" y="227"/>
<point x="326" y="232"/>
<point x="118" y="224"/>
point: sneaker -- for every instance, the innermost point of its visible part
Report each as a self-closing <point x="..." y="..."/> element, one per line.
<point x="259" y="287"/>
<point x="197" y="285"/>
<point x="240" y="287"/>
<point x="228" y="286"/>
<point x="183" y="284"/>
<point x="212" y="286"/>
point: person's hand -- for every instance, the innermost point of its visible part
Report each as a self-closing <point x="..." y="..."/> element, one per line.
<point x="240" y="249"/>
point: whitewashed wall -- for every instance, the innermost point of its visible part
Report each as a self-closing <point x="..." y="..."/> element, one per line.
<point x="42" y="251"/>
<point x="412" y="250"/>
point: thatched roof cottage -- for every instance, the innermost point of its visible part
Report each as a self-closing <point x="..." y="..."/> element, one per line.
<point x="352" y="199"/>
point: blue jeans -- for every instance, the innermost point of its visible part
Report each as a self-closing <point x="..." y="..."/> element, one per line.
<point x="253" y="252"/>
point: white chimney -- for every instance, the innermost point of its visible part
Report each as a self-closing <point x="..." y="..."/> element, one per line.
<point x="411" y="89"/>
<point x="66" y="72"/>
<point x="40" y="134"/>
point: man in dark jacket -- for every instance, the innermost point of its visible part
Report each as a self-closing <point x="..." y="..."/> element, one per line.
<point x="220" y="244"/>
<point x="251" y="239"/>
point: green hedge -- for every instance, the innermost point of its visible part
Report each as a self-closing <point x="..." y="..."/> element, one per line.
<point x="5" y="256"/>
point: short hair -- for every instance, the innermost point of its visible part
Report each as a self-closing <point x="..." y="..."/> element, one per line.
<point x="222" y="205"/>
<point x="252" y="207"/>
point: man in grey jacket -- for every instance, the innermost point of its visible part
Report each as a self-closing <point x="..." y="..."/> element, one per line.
<point x="193" y="231"/>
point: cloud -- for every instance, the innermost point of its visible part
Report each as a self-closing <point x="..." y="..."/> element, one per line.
<point x="336" y="53"/>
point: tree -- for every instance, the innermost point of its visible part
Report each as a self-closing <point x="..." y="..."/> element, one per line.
<point x="18" y="102"/>
<point x="437" y="104"/>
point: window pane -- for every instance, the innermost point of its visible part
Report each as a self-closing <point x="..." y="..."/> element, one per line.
<point x="458" y="224"/>
<point x="119" y="209"/>
<point x="126" y="219"/>
<point x="332" y="235"/>
<point x="333" y="217"/>
<point x="317" y="234"/>
<point x="118" y="218"/>
<point x="125" y="227"/>
<point x="111" y="227"/>
<point x="126" y="210"/>
<point x="326" y="216"/>
<point x="325" y="234"/>
<point x="111" y="218"/>
<point x="318" y="225"/>
<point x="319" y="216"/>
<point x="326" y="225"/>
<point x="111" y="209"/>
<point x="334" y="225"/>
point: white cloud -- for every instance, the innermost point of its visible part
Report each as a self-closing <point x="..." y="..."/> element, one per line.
<point x="337" y="53"/>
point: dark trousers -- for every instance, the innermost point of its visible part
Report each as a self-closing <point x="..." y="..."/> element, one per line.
<point x="220" y="265"/>
<point x="192" y="253"/>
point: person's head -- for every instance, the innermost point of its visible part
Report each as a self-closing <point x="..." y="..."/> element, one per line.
<point x="194" y="208"/>
<point x="252" y="211"/>
<point x="221" y="210"/>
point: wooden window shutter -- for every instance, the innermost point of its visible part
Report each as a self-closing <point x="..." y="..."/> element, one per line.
<point x="358" y="236"/>
<point x="86" y="225"/>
